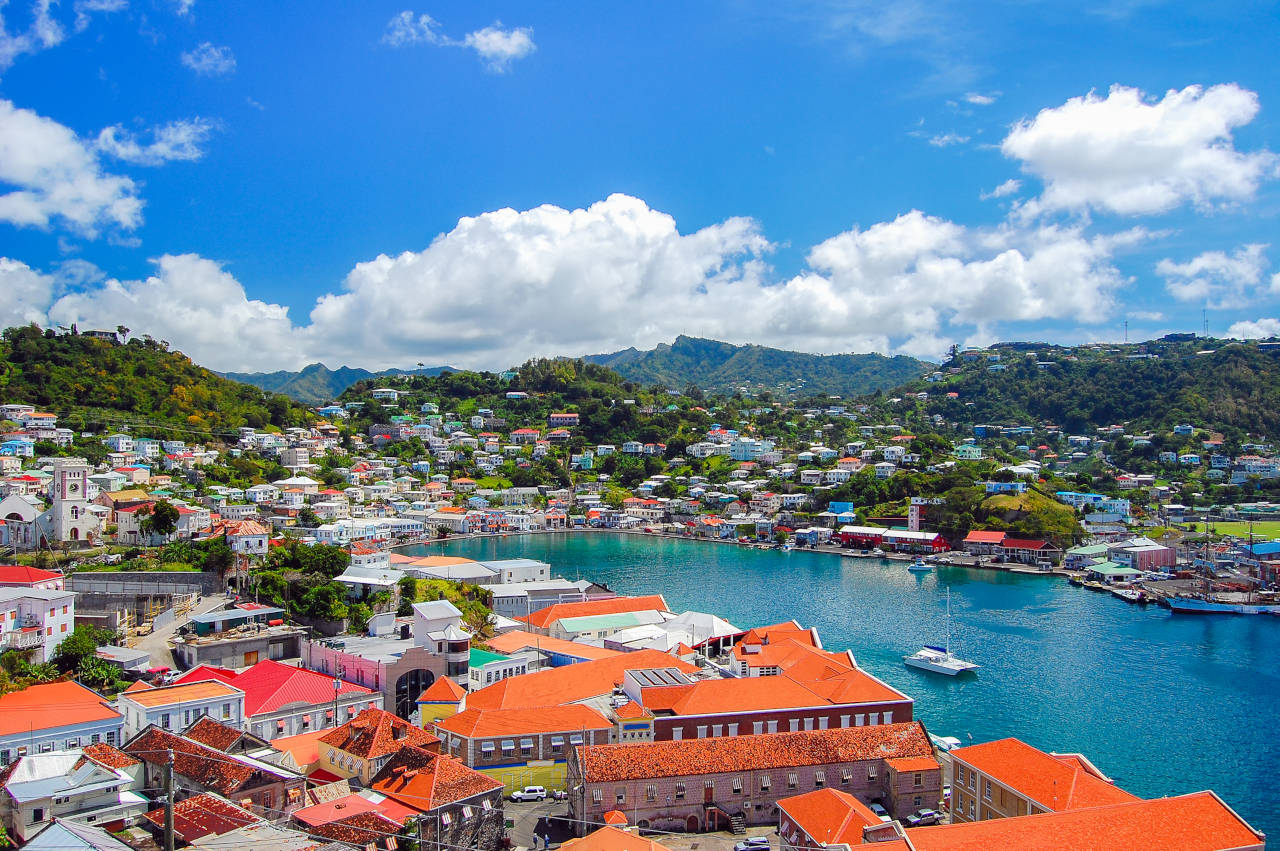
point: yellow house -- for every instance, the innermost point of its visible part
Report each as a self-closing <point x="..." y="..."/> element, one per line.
<point x="440" y="701"/>
<point x="362" y="746"/>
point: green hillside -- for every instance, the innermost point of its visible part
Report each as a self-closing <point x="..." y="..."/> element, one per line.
<point x="316" y="384"/>
<point x="1219" y="385"/>
<point x="724" y="368"/>
<point x="90" y="381"/>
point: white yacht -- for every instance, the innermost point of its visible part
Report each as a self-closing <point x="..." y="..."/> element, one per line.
<point x="940" y="659"/>
<point x="919" y="566"/>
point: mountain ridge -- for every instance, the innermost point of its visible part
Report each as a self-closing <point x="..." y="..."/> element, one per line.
<point x="315" y="383"/>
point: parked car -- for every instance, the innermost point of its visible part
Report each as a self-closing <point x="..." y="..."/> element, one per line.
<point x="881" y="812"/>
<point x="752" y="843"/>
<point x="530" y="793"/>
<point x="559" y="795"/>
<point x="922" y="817"/>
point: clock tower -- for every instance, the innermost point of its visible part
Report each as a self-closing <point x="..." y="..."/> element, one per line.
<point x="70" y="515"/>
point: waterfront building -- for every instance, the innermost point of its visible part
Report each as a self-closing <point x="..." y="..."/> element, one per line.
<point x="542" y="651"/>
<point x="579" y="683"/>
<point x="1010" y="778"/>
<point x="709" y="784"/>
<point x="545" y="621"/>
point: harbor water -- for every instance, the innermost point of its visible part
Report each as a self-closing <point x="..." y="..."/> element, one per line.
<point x="1164" y="704"/>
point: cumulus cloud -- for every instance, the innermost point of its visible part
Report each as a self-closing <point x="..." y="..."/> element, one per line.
<point x="196" y="305"/>
<point x="210" y="60"/>
<point x="1255" y="329"/>
<point x="497" y="47"/>
<point x="1009" y="187"/>
<point x="944" y="140"/>
<point x="178" y="140"/>
<point x="85" y="9"/>
<point x="58" y="177"/>
<point x="27" y="294"/>
<point x="1217" y="279"/>
<point x="507" y="285"/>
<point x="1133" y="155"/>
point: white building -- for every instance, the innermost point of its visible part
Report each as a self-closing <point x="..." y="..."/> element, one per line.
<point x="36" y="620"/>
<point x="173" y="708"/>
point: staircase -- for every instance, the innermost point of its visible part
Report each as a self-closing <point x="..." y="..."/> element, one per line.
<point x="737" y="825"/>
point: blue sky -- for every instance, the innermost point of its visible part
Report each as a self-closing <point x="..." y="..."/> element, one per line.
<point x="476" y="183"/>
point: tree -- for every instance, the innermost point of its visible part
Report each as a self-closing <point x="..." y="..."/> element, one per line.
<point x="96" y="673"/>
<point x="160" y="519"/>
<point x="81" y="644"/>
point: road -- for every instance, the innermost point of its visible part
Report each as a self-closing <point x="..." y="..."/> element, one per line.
<point x="157" y="643"/>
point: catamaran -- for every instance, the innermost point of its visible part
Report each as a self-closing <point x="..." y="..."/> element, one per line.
<point x="940" y="660"/>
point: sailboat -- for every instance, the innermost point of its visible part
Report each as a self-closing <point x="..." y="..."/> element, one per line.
<point x="940" y="660"/>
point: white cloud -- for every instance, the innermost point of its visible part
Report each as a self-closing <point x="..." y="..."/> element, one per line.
<point x="178" y="140"/>
<point x="498" y="47"/>
<point x="1147" y="315"/>
<point x="1215" y="278"/>
<point x="26" y="294"/>
<point x="506" y="285"/>
<point x="86" y="8"/>
<point x="1131" y="155"/>
<point x="57" y="176"/>
<point x="1256" y="329"/>
<point x="944" y="140"/>
<point x="978" y="99"/>
<point x="1009" y="187"/>
<point x="210" y="60"/>
<point x="42" y="33"/>
<point x="406" y="29"/>
<point x="197" y="306"/>
<point x="183" y="7"/>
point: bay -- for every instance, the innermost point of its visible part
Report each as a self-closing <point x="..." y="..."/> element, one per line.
<point x="1163" y="704"/>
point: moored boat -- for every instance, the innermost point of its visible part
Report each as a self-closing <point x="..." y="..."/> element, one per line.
<point x="940" y="660"/>
<point x="919" y="566"/>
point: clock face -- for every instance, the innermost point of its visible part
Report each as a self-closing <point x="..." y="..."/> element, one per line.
<point x="73" y="487"/>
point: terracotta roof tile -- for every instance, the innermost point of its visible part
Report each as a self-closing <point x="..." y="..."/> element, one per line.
<point x="443" y="690"/>
<point x="612" y="839"/>
<point x="488" y="723"/>
<point x="183" y="693"/>
<point x="425" y="780"/>
<point x="644" y="760"/>
<point x="354" y="804"/>
<point x="1195" y="822"/>
<point x="28" y="710"/>
<point x="1050" y="782"/>
<point x="830" y="816"/>
<point x="544" y="618"/>
<point x="359" y="829"/>
<point x="108" y="756"/>
<point x="209" y="732"/>
<point x="375" y="733"/>
<point x="199" y="763"/>
<point x="204" y="815"/>
<point x="570" y="683"/>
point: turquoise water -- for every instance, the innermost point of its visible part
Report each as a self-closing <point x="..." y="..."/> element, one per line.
<point x="1163" y="704"/>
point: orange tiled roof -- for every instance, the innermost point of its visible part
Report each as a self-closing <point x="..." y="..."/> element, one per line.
<point x="209" y="732"/>
<point x="610" y="838"/>
<point x="630" y="710"/>
<point x="830" y="816"/>
<point x="425" y="780"/>
<point x="108" y="756"/>
<point x="570" y="683"/>
<point x="488" y="723"/>
<point x="1195" y="822"/>
<point x="913" y="763"/>
<point x="376" y="732"/>
<point x="1050" y="782"/>
<point x="518" y="639"/>
<point x="138" y="685"/>
<point x="443" y="690"/>
<point x="644" y="760"/>
<point x="205" y="765"/>
<point x="28" y="710"/>
<point x="544" y="618"/>
<point x="204" y="815"/>
<point x="184" y="693"/>
<point x="361" y="830"/>
<point x="304" y="747"/>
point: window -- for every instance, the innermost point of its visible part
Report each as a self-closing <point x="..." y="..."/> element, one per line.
<point x="486" y="750"/>
<point x="6" y="756"/>
<point x="677" y="733"/>
<point x="717" y="730"/>
<point x="960" y="775"/>
<point x="986" y="790"/>
<point x="971" y="808"/>
<point x="918" y="800"/>
<point x="526" y="747"/>
<point x="875" y="718"/>
<point x="702" y="731"/>
<point x="973" y="779"/>
<point x="844" y="720"/>
<point x="823" y="722"/>
<point x="620" y="794"/>
<point x="73" y="743"/>
<point x="733" y="729"/>
<point x="859" y="719"/>
<point x="808" y="724"/>
<point x="765" y="782"/>
<point x="64" y="610"/>
<point x="508" y="747"/>
<point x="37" y="814"/>
<point x="596" y="796"/>
<point x="757" y="727"/>
<point x="466" y="812"/>
<point x="446" y="819"/>
<point x="557" y="744"/>
<point x="792" y="780"/>
<point x="819" y="779"/>
<point x="651" y="793"/>
<point x="793" y="725"/>
<point x="63" y="628"/>
<point x="773" y="726"/>
<point x="845" y="776"/>
<point x="679" y="791"/>
<point x="226" y="712"/>
<point x="871" y="772"/>
<point x="111" y="737"/>
<point x="186" y="717"/>
<point x="164" y="720"/>
<point x="737" y="785"/>
<point x="576" y="739"/>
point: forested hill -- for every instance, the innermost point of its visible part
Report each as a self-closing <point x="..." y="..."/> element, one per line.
<point x="725" y="368"/>
<point x="316" y="384"/>
<point x="88" y="381"/>
<point x="1220" y="385"/>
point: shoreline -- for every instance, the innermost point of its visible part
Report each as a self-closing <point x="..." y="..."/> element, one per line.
<point x="959" y="558"/>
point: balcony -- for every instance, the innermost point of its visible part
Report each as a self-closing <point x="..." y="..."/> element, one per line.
<point x="23" y="639"/>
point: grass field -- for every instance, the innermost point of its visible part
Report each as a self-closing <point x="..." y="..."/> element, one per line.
<point x="1262" y="529"/>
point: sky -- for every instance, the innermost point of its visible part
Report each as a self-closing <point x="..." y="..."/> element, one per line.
<point x="267" y="185"/>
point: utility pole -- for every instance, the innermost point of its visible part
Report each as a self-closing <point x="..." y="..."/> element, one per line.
<point x="168" y="802"/>
<point x="337" y="687"/>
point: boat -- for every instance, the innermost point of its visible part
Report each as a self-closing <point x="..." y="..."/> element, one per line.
<point x="940" y="660"/>
<point x="1199" y="606"/>
<point x="1130" y="595"/>
<point x="919" y="566"/>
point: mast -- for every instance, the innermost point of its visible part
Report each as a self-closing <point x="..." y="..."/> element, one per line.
<point x="948" y="644"/>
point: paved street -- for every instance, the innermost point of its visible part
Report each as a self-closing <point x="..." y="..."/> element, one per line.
<point x="157" y="643"/>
